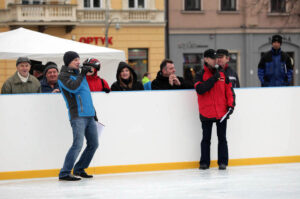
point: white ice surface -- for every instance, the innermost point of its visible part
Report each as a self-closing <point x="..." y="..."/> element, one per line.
<point x="280" y="181"/>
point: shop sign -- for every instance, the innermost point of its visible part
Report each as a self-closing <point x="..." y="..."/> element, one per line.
<point x="191" y="45"/>
<point x="89" y="40"/>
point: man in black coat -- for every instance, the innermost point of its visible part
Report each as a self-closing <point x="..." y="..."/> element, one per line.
<point x="166" y="78"/>
<point x="222" y="60"/>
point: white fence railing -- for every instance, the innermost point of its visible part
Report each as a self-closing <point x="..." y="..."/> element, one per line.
<point x="42" y="12"/>
<point x="67" y="12"/>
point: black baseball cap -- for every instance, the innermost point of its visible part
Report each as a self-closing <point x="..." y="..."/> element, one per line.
<point x="211" y="53"/>
<point x="222" y="52"/>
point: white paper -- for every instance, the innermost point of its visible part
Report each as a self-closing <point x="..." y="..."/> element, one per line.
<point x="100" y="128"/>
<point x="223" y="118"/>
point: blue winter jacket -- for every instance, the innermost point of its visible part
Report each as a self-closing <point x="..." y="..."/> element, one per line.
<point x="275" y="69"/>
<point x="76" y="92"/>
<point x="46" y="88"/>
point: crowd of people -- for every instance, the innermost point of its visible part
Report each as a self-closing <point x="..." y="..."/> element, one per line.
<point x="213" y="84"/>
<point x="44" y="79"/>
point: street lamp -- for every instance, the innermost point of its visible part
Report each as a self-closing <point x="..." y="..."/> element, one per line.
<point x="108" y="22"/>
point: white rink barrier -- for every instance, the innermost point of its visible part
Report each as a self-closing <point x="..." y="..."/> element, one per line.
<point x="147" y="127"/>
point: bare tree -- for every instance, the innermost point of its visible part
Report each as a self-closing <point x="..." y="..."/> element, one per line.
<point x="288" y="9"/>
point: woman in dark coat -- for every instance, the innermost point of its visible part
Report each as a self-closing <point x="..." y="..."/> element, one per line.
<point x="126" y="79"/>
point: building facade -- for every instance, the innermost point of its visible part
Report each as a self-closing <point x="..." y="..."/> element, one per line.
<point x="135" y="26"/>
<point x="244" y="27"/>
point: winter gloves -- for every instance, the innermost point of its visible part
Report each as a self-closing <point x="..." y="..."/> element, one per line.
<point x="85" y="69"/>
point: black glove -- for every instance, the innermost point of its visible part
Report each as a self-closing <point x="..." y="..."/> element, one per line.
<point x="217" y="74"/>
<point x="96" y="118"/>
<point x="85" y="69"/>
<point x="106" y="90"/>
<point x="230" y="111"/>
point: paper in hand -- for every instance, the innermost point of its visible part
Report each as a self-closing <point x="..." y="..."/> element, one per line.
<point x="223" y="118"/>
<point x="100" y="128"/>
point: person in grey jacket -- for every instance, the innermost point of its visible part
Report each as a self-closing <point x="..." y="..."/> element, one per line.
<point x="77" y="95"/>
<point x="21" y="81"/>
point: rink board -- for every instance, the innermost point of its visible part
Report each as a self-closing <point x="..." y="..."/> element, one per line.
<point x="147" y="130"/>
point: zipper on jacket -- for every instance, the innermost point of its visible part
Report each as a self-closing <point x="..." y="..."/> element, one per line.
<point x="80" y="101"/>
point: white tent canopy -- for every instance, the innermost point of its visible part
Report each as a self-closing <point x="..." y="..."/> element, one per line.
<point x="44" y="47"/>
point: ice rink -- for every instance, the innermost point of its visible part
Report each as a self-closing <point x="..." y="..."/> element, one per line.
<point x="280" y="181"/>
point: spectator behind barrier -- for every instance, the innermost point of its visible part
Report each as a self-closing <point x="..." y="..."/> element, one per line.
<point x="275" y="67"/>
<point x="222" y="60"/>
<point x="21" y="81"/>
<point x="37" y="69"/>
<point x="166" y="77"/>
<point x="95" y="82"/>
<point x="189" y="77"/>
<point x="146" y="81"/>
<point x="49" y="82"/>
<point x="126" y="79"/>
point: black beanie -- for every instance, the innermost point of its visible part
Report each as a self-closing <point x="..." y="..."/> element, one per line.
<point x="69" y="57"/>
<point x="277" y="38"/>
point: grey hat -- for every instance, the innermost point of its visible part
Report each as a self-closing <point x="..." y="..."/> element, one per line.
<point x="23" y="59"/>
<point x="50" y="66"/>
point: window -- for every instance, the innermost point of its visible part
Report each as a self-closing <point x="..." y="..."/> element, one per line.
<point x="136" y="3"/>
<point x="192" y="63"/>
<point x="278" y="6"/>
<point x="193" y="60"/>
<point x="233" y="61"/>
<point x="138" y="60"/>
<point x="228" y="5"/>
<point x="92" y="3"/>
<point x="191" y="5"/>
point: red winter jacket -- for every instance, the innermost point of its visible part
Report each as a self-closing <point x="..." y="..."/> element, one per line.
<point x="96" y="83"/>
<point x="215" y="95"/>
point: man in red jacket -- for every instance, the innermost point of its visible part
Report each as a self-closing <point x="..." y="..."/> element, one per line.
<point x="216" y="99"/>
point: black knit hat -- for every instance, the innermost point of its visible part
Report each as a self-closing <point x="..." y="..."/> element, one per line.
<point x="50" y="65"/>
<point x="277" y="38"/>
<point x="211" y="53"/>
<point x="69" y="57"/>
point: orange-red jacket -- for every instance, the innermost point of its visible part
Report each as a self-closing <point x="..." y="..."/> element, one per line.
<point x="215" y="95"/>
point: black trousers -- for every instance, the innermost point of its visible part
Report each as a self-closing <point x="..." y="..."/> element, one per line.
<point x="222" y="142"/>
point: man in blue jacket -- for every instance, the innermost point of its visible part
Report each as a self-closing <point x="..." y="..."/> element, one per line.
<point x="76" y="92"/>
<point x="275" y="68"/>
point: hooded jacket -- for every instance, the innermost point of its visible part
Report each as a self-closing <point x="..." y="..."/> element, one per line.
<point x="275" y="69"/>
<point x="96" y="83"/>
<point x="121" y="85"/>
<point x="162" y="83"/>
<point x="76" y="93"/>
<point x="215" y="95"/>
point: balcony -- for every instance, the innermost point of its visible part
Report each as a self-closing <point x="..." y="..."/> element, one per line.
<point x="42" y="14"/>
<point x="124" y="16"/>
<point x="69" y="15"/>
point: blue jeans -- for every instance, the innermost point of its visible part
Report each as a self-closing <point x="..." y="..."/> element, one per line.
<point x="81" y="126"/>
